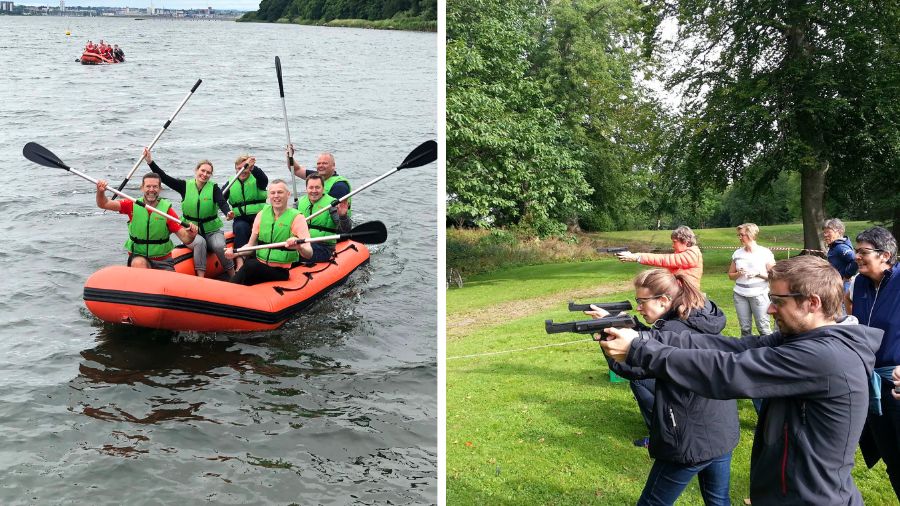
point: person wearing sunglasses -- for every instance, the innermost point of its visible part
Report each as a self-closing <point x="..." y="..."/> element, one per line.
<point x="876" y="302"/>
<point x="812" y="375"/>
<point x="689" y="434"/>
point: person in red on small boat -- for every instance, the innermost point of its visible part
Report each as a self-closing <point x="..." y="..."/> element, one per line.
<point x="149" y="245"/>
<point x="90" y="47"/>
<point x="274" y="224"/>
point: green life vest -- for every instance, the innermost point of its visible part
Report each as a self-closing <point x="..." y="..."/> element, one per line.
<point x="148" y="233"/>
<point x="246" y="198"/>
<point x="339" y="179"/>
<point x="200" y="208"/>
<point x="322" y="224"/>
<point x="272" y="231"/>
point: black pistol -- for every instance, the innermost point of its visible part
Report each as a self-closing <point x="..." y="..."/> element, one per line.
<point x="590" y="326"/>
<point x="625" y="305"/>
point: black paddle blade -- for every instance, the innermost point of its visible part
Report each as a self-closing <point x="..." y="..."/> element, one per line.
<point x="42" y="156"/>
<point x="278" y="72"/>
<point x="425" y="153"/>
<point x="371" y="232"/>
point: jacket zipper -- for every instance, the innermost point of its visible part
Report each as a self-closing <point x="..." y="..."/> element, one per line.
<point x="872" y="309"/>
<point x="672" y="416"/>
<point x="784" y="462"/>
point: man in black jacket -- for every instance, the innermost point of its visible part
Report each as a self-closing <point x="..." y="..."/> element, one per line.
<point x="812" y="374"/>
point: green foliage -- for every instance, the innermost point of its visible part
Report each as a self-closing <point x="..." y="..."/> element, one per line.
<point x="776" y="86"/>
<point x="415" y="13"/>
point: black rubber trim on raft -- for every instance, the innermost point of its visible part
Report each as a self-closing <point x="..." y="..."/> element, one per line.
<point x="204" y="307"/>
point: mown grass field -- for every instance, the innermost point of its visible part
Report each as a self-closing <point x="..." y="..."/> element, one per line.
<point x="533" y="418"/>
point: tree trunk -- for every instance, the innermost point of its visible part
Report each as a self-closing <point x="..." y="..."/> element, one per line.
<point x="812" y="204"/>
<point x="895" y="226"/>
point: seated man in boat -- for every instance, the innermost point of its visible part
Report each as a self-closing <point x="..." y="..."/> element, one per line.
<point x="335" y="185"/>
<point x="276" y="223"/>
<point x="118" y="54"/>
<point x="90" y="47"/>
<point x="335" y="220"/>
<point x="149" y="245"/>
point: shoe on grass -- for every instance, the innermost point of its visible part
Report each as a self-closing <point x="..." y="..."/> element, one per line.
<point x="643" y="442"/>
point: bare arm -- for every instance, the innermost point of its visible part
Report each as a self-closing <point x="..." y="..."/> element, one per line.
<point x="102" y="201"/>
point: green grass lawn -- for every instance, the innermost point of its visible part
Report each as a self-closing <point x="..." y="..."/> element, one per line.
<point x="539" y="424"/>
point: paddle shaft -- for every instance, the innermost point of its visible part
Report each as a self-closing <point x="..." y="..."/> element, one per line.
<point x="246" y="249"/>
<point x="120" y="194"/>
<point x="287" y="132"/>
<point x="236" y="176"/>
<point x="158" y="135"/>
<point x="354" y="192"/>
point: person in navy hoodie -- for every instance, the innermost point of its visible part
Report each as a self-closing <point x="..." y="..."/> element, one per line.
<point x="840" y="250"/>
<point x="813" y="376"/>
<point x="876" y="302"/>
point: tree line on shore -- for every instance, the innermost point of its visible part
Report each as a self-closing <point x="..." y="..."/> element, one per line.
<point x="328" y="10"/>
<point x="770" y="112"/>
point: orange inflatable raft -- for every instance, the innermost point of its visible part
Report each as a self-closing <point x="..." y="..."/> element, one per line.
<point x="182" y="301"/>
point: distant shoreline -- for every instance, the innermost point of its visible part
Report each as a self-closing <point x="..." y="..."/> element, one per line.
<point x="409" y="25"/>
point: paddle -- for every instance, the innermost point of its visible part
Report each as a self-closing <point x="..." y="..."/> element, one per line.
<point x="165" y="126"/>
<point x="424" y="154"/>
<point x="42" y="156"/>
<point x="371" y="232"/>
<point x="227" y="186"/>
<point x="287" y="133"/>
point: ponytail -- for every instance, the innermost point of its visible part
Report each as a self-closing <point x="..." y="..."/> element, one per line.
<point x="680" y="289"/>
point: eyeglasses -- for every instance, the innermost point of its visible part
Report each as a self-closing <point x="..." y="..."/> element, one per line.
<point x="778" y="299"/>
<point x="643" y="300"/>
<point x="742" y="235"/>
<point x="867" y="251"/>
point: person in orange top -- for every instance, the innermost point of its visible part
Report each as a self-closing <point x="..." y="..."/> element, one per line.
<point x="687" y="258"/>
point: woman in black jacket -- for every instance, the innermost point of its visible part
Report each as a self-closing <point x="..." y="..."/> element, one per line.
<point x="689" y="434"/>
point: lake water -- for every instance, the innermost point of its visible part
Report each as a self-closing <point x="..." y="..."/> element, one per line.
<point x="339" y="405"/>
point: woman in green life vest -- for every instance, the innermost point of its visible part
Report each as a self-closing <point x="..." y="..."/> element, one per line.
<point x="334" y="221"/>
<point x="247" y="196"/>
<point x="201" y="201"/>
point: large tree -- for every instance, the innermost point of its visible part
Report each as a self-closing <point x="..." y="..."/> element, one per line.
<point x="772" y="85"/>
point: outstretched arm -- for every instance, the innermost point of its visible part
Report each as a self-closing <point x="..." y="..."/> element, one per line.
<point x="103" y="201"/>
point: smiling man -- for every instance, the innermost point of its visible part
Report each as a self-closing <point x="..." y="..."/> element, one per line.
<point x="276" y="223"/>
<point x="335" y="220"/>
<point x="812" y="374"/>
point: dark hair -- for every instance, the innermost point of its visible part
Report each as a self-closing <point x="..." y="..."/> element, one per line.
<point x="315" y="175"/>
<point x="151" y="175"/>
<point x="882" y="239"/>
<point x="683" y="293"/>
<point x="811" y="275"/>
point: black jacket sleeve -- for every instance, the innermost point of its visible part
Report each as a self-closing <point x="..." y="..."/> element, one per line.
<point x="179" y="185"/>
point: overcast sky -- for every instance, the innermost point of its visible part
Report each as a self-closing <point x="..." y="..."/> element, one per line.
<point x="244" y="5"/>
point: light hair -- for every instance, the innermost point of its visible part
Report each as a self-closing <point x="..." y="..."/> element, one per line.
<point x="203" y="162"/>
<point x="836" y="225"/>
<point x="680" y="289"/>
<point x="882" y="239"/>
<point x="329" y="155"/>
<point x="750" y="229"/>
<point x="685" y="235"/>
<point x="241" y="159"/>
<point x="279" y="181"/>
<point x="812" y="275"/>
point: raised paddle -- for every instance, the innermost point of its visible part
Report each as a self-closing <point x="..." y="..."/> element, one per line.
<point x="42" y="156"/>
<point x="165" y="126"/>
<point x="287" y="133"/>
<point x="424" y="154"/>
<point x="371" y="232"/>
<point x="227" y="186"/>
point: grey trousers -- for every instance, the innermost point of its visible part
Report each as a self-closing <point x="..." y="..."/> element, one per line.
<point x="203" y="243"/>
<point x="748" y="308"/>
